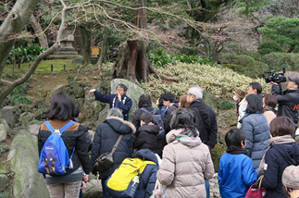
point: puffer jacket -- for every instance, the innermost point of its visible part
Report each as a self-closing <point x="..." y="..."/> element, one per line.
<point x="277" y="158"/>
<point x="186" y="163"/>
<point x="149" y="176"/>
<point x="106" y="136"/>
<point x="257" y="135"/>
<point x="73" y="137"/>
<point x="288" y="102"/>
<point x="146" y="137"/>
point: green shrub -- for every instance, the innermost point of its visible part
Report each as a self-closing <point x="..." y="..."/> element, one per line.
<point x="276" y="60"/>
<point x="244" y="64"/>
<point x="24" y="54"/>
<point x="268" y="47"/>
<point x="225" y="105"/>
<point x="20" y="89"/>
<point x="20" y="99"/>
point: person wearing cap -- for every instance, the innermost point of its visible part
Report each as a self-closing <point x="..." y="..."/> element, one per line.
<point x="290" y="181"/>
<point x="239" y="97"/>
<point x="287" y="100"/>
<point x="205" y="120"/>
<point x="119" y="100"/>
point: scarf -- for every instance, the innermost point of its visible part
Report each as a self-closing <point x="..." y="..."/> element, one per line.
<point x="285" y="139"/>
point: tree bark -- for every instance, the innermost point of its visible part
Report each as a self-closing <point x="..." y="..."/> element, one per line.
<point x="42" y="38"/>
<point x="85" y="44"/>
<point x="103" y="52"/>
<point x="13" y="24"/>
<point x="135" y="52"/>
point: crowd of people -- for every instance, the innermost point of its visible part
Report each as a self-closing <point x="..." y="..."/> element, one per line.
<point x="262" y="145"/>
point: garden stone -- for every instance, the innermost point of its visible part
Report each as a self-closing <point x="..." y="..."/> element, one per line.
<point x="9" y="115"/>
<point x="3" y="182"/>
<point x="33" y="129"/>
<point x="94" y="189"/>
<point x="4" y="129"/>
<point x="25" y="118"/>
<point x="23" y="157"/>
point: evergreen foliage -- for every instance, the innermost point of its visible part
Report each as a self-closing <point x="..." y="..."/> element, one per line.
<point x="283" y="31"/>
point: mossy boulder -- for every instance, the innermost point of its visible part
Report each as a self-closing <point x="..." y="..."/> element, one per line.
<point x="23" y="157"/>
<point x="227" y="119"/>
<point x="216" y="154"/>
<point x="4" y="129"/>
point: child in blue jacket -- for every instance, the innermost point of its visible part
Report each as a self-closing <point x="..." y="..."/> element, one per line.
<point x="236" y="173"/>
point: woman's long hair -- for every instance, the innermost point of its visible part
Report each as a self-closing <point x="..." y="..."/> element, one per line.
<point x="184" y="119"/>
<point x="254" y="104"/>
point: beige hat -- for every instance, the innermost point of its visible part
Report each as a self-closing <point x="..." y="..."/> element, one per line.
<point x="290" y="177"/>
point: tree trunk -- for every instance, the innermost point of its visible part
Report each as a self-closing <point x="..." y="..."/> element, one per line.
<point x="84" y="44"/>
<point x="103" y="52"/>
<point x="42" y="38"/>
<point x="134" y="52"/>
<point x="13" y="24"/>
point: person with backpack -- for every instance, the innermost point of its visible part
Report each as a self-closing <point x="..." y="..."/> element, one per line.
<point x="63" y="170"/>
<point x="146" y="136"/>
<point x="144" y="106"/>
<point x="186" y="161"/>
<point x="114" y="129"/>
<point x="283" y="151"/>
<point x="119" y="100"/>
<point x="135" y="177"/>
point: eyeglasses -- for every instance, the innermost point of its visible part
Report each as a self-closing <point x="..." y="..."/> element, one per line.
<point x="190" y="94"/>
<point x="120" y="90"/>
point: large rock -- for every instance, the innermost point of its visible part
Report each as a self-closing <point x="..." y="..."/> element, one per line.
<point x="227" y="119"/>
<point x="4" y="129"/>
<point x="3" y="182"/>
<point x="94" y="189"/>
<point x="24" y="157"/>
<point x="8" y="113"/>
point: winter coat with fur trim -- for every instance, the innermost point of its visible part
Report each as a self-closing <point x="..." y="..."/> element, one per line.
<point x="106" y="136"/>
<point x="186" y="163"/>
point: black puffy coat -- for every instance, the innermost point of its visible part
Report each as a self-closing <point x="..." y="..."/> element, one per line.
<point x="206" y="122"/>
<point x="277" y="158"/>
<point x="106" y="136"/>
<point x="73" y="137"/>
<point x="138" y="113"/>
<point x="146" y="137"/>
<point x="288" y="102"/>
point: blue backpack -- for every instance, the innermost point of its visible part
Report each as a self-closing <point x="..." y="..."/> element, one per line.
<point x="159" y="121"/>
<point x="54" y="157"/>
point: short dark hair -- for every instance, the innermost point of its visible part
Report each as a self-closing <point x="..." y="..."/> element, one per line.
<point x="281" y="126"/>
<point x="61" y="107"/>
<point x="254" y="104"/>
<point x="76" y="111"/>
<point x="270" y="100"/>
<point x="161" y="100"/>
<point x="144" y="101"/>
<point x="184" y="119"/>
<point x="234" y="137"/>
<point x="168" y="96"/>
<point x="257" y="86"/>
<point x="147" y="118"/>
<point x="122" y="86"/>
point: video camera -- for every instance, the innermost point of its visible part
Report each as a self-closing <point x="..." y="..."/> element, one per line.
<point x="276" y="77"/>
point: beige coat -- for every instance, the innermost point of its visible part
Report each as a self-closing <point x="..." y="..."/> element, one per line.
<point x="186" y="163"/>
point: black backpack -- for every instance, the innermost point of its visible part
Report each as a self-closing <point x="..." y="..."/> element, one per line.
<point x="159" y="121"/>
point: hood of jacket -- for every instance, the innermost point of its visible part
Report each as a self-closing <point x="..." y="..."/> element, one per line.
<point x="153" y="129"/>
<point x="289" y="152"/>
<point x="119" y="125"/>
<point x="146" y="154"/>
<point x="188" y="141"/>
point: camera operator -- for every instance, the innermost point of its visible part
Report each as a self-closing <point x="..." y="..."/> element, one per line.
<point x="288" y="100"/>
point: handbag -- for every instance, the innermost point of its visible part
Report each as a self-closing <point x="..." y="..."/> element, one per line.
<point x="255" y="190"/>
<point x="105" y="161"/>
